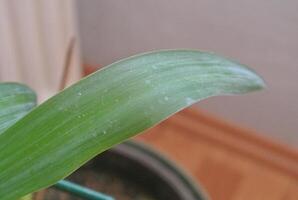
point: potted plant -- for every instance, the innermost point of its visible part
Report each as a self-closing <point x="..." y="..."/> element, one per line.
<point x="39" y="147"/>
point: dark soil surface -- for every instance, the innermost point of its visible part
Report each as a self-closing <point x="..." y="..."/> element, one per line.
<point x="109" y="182"/>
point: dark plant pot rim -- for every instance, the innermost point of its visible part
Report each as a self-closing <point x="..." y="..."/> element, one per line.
<point x="168" y="181"/>
<point x="174" y="175"/>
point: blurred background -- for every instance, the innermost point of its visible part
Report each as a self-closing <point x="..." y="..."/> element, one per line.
<point x="35" y="37"/>
<point x="260" y="34"/>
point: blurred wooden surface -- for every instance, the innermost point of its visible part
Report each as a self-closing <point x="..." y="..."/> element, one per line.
<point x="231" y="163"/>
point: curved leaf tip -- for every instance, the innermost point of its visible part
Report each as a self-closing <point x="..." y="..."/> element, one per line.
<point x="108" y="107"/>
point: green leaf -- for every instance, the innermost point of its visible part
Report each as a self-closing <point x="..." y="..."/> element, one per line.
<point x="108" y="107"/>
<point x="16" y="100"/>
<point x="27" y="197"/>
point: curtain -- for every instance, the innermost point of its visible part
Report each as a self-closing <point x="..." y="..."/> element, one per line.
<point x="35" y="37"/>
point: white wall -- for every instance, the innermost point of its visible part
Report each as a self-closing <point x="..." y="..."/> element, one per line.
<point x="260" y="33"/>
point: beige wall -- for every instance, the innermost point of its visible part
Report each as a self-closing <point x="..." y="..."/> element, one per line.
<point x="260" y="33"/>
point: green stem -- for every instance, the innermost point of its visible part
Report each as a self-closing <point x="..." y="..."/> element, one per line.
<point x="81" y="191"/>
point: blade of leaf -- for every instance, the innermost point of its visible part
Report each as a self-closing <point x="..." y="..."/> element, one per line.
<point x="27" y="197"/>
<point x="108" y="107"/>
<point x="16" y="100"/>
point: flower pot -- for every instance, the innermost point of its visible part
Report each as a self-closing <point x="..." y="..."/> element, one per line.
<point x="131" y="171"/>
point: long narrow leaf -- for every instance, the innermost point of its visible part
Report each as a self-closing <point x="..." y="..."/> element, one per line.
<point x="108" y="107"/>
<point x="16" y="100"/>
